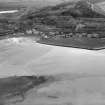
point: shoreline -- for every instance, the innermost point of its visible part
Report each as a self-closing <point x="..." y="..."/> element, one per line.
<point x="81" y="43"/>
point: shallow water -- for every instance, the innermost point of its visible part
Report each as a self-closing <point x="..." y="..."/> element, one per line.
<point x="23" y="56"/>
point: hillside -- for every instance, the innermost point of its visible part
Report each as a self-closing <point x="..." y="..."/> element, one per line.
<point x="41" y="3"/>
<point x="67" y="17"/>
<point x="95" y="1"/>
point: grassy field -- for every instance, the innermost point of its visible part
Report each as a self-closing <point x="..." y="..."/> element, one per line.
<point x="85" y="43"/>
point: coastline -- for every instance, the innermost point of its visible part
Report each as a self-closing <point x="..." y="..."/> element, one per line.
<point x="82" y="43"/>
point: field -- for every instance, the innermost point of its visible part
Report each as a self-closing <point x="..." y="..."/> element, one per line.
<point x="85" y="43"/>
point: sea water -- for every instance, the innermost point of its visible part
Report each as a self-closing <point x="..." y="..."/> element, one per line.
<point x="23" y="56"/>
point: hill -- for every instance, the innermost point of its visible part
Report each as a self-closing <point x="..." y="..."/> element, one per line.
<point x="69" y="17"/>
<point x="42" y="3"/>
<point x="79" y="16"/>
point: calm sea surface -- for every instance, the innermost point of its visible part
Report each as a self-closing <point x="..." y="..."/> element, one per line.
<point x="23" y="56"/>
